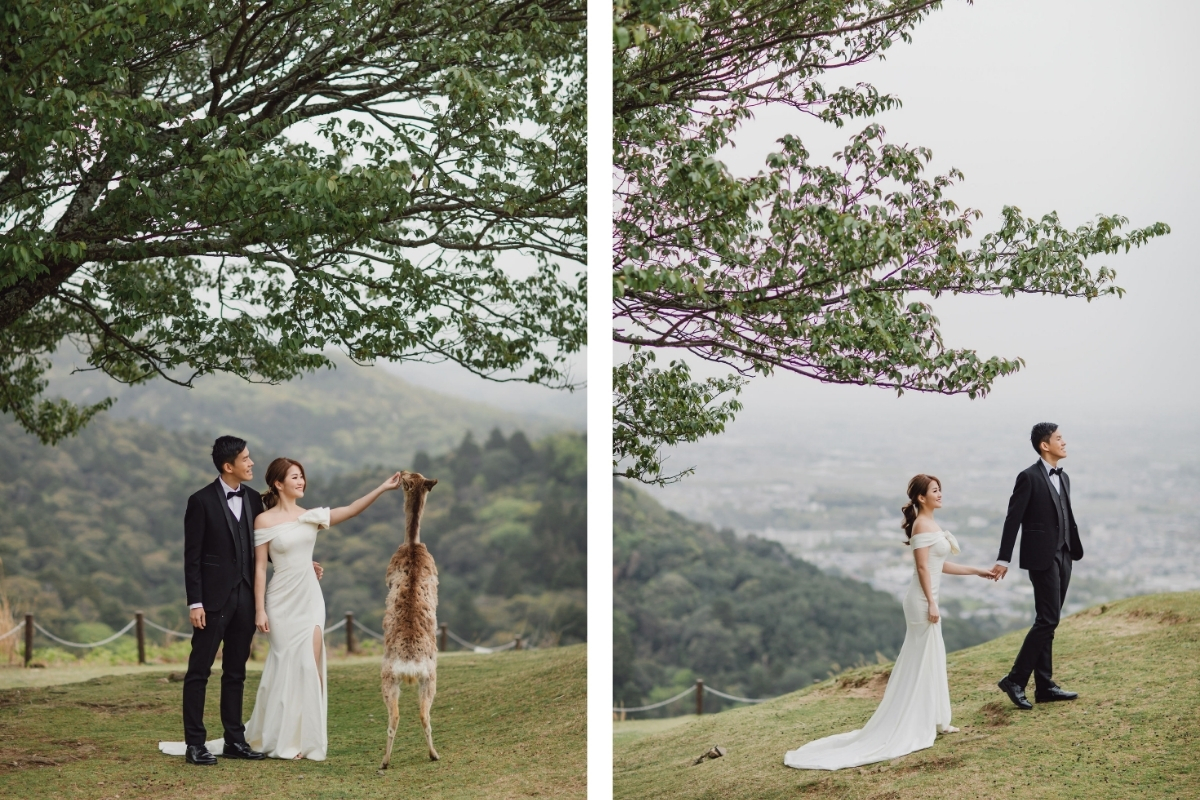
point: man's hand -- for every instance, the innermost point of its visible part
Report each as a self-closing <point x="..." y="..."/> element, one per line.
<point x="197" y="617"/>
<point x="317" y="568"/>
<point x="999" y="571"/>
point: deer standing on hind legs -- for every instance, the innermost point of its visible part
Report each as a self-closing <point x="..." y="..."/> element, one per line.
<point x="410" y="617"/>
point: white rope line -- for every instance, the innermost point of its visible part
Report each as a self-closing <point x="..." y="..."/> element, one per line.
<point x="116" y="635"/>
<point x="501" y="648"/>
<point x="153" y="624"/>
<point x="689" y="690"/>
<point x="478" y="648"/>
<point x="339" y="624"/>
<point x="367" y="630"/>
<point x="18" y="627"/>
<point x="659" y="704"/>
<point x="708" y="688"/>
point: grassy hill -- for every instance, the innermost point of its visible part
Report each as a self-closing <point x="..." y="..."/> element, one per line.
<point x="1133" y="732"/>
<point x="332" y="420"/>
<point x="741" y="613"/>
<point x="505" y="725"/>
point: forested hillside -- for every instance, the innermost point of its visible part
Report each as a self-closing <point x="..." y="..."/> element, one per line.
<point x="332" y="420"/>
<point x="744" y="615"/>
<point x="91" y="530"/>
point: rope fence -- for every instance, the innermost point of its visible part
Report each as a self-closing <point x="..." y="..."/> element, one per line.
<point x="699" y="689"/>
<point x="15" y="628"/>
<point x="139" y="623"/>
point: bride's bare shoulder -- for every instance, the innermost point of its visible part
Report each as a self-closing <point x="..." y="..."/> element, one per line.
<point x="925" y="526"/>
<point x="268" y="518"/>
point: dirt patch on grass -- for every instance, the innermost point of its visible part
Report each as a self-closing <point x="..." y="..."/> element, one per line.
<point x="64" y="752"/>
<point x="869" y="686"/>
<point x="116" y="706"/>
<point x="935" y="764"/>
<point x="1161" y="617"/>
<point x="1110" y="623"/>
<point x="825" y="787"/>
<point x="995" y="714"/>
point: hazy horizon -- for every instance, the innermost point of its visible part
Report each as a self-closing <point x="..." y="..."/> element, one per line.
<point x="1065" y="106"/>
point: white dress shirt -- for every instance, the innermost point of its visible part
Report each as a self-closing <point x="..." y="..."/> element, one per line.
<point x="235" y="508"/>
<point x="1054" y="481"/>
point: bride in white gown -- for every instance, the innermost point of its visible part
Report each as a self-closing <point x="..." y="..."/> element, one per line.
<point x="916" y="703"/>
<point x="289" y="718"/>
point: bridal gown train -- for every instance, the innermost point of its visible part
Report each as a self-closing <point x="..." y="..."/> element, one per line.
<point x="916" y="703"/>
<point x="289" y="717"/>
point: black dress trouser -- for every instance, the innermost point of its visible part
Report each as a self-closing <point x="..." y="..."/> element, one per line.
<point x="1049" y="593"/>
<point x="233" y="625"/>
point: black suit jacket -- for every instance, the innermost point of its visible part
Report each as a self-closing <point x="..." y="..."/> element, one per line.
<point x="1033" y="508"/>
<point x="210" y="564"/>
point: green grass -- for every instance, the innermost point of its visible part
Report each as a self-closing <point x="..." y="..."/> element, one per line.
<point x="1133" y="732"/>
<point x="506" y="725"/>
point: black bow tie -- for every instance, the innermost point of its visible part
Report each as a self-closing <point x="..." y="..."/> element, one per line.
<point x="1056" y="470"/>
<point x="240" y="492"/>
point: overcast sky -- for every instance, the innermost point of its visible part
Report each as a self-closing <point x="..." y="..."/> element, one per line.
<point x="1079" y="107"/>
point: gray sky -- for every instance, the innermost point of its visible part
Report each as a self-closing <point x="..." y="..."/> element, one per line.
<point x="1078" y="107"/>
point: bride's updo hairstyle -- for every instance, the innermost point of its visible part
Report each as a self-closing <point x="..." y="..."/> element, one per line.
<point x="917" y="487"/>
<point x="275" y="474"/>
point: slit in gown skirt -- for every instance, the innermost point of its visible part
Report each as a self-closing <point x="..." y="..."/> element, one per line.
<point x="290" y="709"/>
<point x="916" y="703"/>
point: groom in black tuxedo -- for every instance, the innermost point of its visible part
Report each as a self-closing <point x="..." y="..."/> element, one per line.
<point x="218" y="570"/>
<point x="1041" y="507"/>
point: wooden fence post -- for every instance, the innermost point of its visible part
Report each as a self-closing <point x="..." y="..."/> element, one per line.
<point x="28" y="638"/>
<point x="349" y="633"/>
<point x="517" y="646"/>
<point x="141" y="637"/>
<point x="442" y="636"/>
<point x="699" y="697"/>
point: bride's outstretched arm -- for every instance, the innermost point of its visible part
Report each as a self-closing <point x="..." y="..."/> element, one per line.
<point x="360" y="505"/>
<point x="260" y="587"/>
<point x="962" y="569"/>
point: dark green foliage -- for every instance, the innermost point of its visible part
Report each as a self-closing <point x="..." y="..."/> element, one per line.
<point x="189" y="187"/>
<point x="751" y="620"/>
<point x="92" y="531"/>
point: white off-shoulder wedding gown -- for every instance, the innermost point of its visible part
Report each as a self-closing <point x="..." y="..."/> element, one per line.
<point x="916" y="703"/>
<point x="289" y="717"/>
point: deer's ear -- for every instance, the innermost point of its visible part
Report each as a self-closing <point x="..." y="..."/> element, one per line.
<point x="430" y="483"/>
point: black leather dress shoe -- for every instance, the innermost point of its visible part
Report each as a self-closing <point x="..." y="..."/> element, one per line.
<point x="198" y="754"/>
<point x="1016" y="693"/>
<point x="1054" y="693"/>
<point x="241" y="750"/>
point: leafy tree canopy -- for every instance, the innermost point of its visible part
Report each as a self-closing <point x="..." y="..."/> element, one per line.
<point x="815" y="268"/>
<point x="189" y="187"/>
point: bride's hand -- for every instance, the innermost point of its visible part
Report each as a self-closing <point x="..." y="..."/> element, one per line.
<point x="391" y="483"/>
<point x="260" y="622"/>
<point x="934" y="614"/>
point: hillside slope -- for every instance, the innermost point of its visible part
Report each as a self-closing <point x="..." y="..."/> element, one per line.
<point x="331" y="420"/>
<point x="741" y="613"/>
<point x="1133" y="732"/>
<point x="99" y="739"/>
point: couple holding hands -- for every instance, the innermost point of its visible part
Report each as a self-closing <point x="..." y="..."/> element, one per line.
<point x="916" y="703"/>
